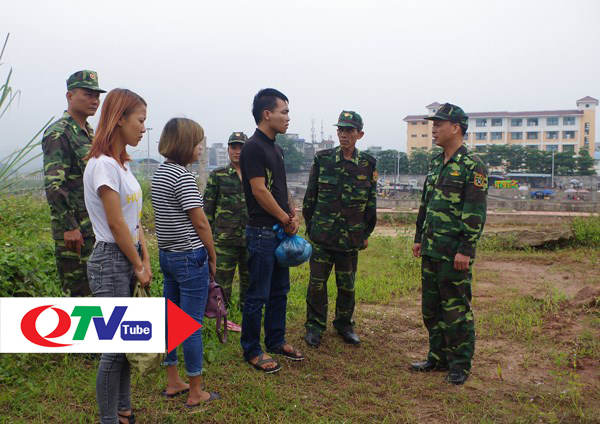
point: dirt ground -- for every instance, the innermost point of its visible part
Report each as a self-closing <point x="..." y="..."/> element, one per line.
<point x="514" y="371"/>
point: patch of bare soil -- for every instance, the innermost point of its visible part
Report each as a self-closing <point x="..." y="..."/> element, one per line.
<point x="503" y="367"/>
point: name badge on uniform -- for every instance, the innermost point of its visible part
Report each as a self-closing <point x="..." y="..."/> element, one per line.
<point x="361" y="177"/>
<point x="455" y="173"/>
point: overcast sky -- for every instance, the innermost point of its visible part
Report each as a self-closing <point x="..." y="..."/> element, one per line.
<point x="384" y="59"/>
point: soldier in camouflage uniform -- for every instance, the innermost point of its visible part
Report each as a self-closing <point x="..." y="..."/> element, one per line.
<point x="227" y="214"/>
<point x="340" y="213"/>
<point x="66" y="142"/>
<point x="450" y="221"/>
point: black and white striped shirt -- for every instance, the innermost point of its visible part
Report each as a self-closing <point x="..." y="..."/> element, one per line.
<point x="174" y="191"/>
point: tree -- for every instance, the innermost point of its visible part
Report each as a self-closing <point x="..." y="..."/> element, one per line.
<point x="387" y="161"/>
<point x="585" y="163"/>
<point x="538" y="162"/>
<point x="515" y="158"/>
<point x="564" y="163"/>
<point x="293" y="159"/>
<point x="418" y="163"/>
<point x="494" y="155"/>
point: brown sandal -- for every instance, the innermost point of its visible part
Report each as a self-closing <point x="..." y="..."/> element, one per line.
<point x="294" y="355"/>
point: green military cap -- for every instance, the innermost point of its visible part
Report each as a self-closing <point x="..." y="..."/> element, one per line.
<point x="452" y="113"/>
<point x="349" y="118"/>
<point x="237" y="137"/>
<point x="84" y="79"/>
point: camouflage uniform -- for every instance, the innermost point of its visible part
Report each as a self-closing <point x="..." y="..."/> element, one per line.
<point x="339" y="209"/>
<point x="450" y="221"/>
<point x="227" y="214"/>
<point x="64" y="145"/>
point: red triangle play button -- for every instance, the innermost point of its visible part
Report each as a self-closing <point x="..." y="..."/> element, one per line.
<point x="180" y="325"/>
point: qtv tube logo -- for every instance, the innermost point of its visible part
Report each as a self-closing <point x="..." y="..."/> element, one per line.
<point x="39" y="325"/>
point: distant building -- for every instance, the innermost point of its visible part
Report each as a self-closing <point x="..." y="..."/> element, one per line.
<point x="550" y="130"/>
<point x="324" y="144"/>
<point x="375" y="149"/>
<point x="217" y="155"/>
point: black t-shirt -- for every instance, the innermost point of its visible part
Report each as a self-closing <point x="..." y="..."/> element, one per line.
<point x="261" y="157"/>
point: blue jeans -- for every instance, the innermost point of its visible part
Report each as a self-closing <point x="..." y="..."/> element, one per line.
<point x="186" y="285"/>
<point x="269" y="286"/>
<point x="110" y="274"/>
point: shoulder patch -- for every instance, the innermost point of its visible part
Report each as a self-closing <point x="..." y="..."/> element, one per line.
<point x="325" y="152"/>
<point x="479" y="180"/>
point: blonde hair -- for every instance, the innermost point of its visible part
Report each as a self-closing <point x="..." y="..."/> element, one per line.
<point x="179" y="138"/>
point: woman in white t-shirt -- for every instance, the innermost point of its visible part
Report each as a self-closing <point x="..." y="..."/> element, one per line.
<point x="113" y="199"/>
<point x="186" y="250"/>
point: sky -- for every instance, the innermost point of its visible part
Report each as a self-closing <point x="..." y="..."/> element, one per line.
<point x="383" y="59"/>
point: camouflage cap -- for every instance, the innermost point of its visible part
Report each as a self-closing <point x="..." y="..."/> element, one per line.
<point x="349" y="118"/>
<point x="237" y="137"/>
<point x="84" y="79"/>
<point x="452" y="113"/>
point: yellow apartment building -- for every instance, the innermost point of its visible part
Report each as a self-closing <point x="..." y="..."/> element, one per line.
<point x="549" y="130"/>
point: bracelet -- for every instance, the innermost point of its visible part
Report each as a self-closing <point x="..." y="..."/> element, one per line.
<point x="287" y="224"/>
<point x="139" y="272"/>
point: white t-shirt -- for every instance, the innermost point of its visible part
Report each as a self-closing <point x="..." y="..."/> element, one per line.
<point x="105" y="170"/>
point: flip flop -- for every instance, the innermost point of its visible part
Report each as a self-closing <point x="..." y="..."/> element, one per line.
<point x="232" y="326"/>
<point x="294" y="355"/>
<point x="130" y="418"/>
<point x="262" y="361"/>
<point x="213" y="396"/>
<point x="174" y="395"/>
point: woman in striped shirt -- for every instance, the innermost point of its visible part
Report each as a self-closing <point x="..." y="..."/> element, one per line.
<point x="186" y="250"/>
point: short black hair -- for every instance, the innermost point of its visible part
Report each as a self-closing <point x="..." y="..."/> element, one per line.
<point x="463" y="130"/>
<point x="266" y="99"/>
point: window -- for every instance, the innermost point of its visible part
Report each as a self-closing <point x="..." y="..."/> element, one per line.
<point x="516" y="122"/>
<point x="496" y="136"/>
<point x="568" y="134"/>
<point x="532" y="122"/>
<point x="552" y="147"/>
<point x="532" y="136"/>
<point x="569" y="148"/>
<point x="569" y="120"/>
<point x="423" y="123"/>
<point x="480" y="136"/>
<point x="413" y="135"/>
<point x="552" y="135"/>
<point x="496" y="122"/>
<point x="533" y="146"/>
<point x="480" y="122"/>
<point x="552" y="120"/>
<point x="424" y="135"/>
<point x="413" y="123"/>
<point x="516" y="136"/>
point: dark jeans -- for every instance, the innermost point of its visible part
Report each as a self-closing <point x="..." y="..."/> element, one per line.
<point x="186" y="285"/>
<point x="269" y="286"/>
<point x="110" y="274"/>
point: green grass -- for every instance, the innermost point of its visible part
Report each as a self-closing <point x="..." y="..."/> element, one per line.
<point x="337" y="383"/>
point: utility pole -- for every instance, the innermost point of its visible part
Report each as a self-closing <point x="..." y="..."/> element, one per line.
<point x="552" y="179"/>
<point x="148" y="158"/>
<point x="398" y="169"/>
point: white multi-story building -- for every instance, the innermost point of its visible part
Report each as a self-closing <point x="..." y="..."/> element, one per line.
<point x="217" y="155"/>
<point x="550" y="130"/>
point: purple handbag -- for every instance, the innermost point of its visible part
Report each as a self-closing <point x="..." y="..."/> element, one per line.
<point x="215" y="308"/>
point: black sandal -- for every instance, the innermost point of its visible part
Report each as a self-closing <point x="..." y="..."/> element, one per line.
<point x="294" y="355"/>
<point x="130" y="418"/>
<point x="262" y="361"/>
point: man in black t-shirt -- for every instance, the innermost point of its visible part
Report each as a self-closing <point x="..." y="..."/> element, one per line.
<point x="269" y="204"/>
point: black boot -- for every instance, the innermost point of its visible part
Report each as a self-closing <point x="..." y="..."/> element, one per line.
<point x="312" y="339"/>
<point x="427" y="366"/>
<point x="457" y="376"/>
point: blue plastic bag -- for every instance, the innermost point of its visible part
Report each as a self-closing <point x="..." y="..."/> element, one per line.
<point x="292" y="250"/>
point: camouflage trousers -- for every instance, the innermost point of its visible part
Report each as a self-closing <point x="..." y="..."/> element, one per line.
<point x="72" y="269"/>
<point x="447" y="313"/>
<point x="228" y="257"/>
<point x="321" y="263"/>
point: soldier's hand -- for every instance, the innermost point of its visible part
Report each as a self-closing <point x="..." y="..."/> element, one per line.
<point x="148" y="267"/>
<point x="416" y="250"/>
<point x="365" y="244"/>
<point x="461" y="262"/>
<point x="73" y="241"/>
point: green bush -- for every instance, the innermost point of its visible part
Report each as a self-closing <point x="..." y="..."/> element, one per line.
<point x="587" y="231"/>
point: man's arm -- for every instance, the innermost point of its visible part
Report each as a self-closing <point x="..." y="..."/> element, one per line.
<point x="57" y="164"/>
<point x="266" y="201"/>
<point x="474" y="210"/>
<point x="211" y="193"/>
<point x="420" y="221"/>
<point x="310" y="197"/>
<point x="371" y="208"/>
